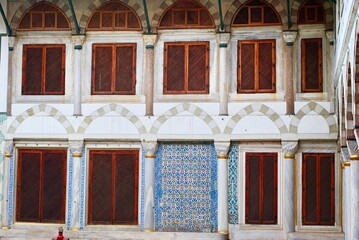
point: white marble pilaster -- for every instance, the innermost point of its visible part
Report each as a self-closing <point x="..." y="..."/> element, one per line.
<point x="78" y="41"/>
<point x="346" y="189"/>
<point x="289" y="149"/>
<point x="223" y="39"/>
<point x="12" y="43"/>
<point x="150" y="149"/>
<point x="5" y="202"/>
<point x="150" y="40"/>
<point x="4" y="53"/>
<point x="222" y="149"/>
<point x="76" y="150"/>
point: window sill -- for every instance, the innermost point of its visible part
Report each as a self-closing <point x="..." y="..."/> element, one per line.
<point x="256" y="97"/>
<point x="318" y="96"/>
<point x="187" y="98"/>
<point x="114" y="98"/>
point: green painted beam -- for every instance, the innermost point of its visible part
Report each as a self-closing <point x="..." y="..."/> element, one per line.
<point x="221" y="27"/>
<point x="149" y="30"/>
<point x="8" y="29"/>
<point x="75" y="18"/>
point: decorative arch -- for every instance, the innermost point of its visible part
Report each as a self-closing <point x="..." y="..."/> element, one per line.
<point x="326" y="4"/>
<point x="112" y="107"/>
<point x="315" y="107"/>
<point x="137" y="7"/>
<point x="167" y="3"/>
<point x="53" y="112"/>
<point x="256" y="107"/>
<point x="197" y="111"/>
<point x="61" y="4"/>
<point x="276" y="4"/>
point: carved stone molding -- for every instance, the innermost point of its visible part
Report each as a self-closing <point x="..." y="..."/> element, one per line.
<point x="222" y="149"/>
<point x="223" y="39"/>
<point x="330" y="36"/>
<point x="150" y="148"/>
<point x="353" y="150"/>
<point x="289" y="37"/>
<point x="76" y="148"/>
<point x="290" y="148"/>
<point x="150" y="39"/>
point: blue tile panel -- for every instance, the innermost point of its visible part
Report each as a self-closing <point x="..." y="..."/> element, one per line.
<point x="83" y="190"/>
<point x="186" y="187"/>
<point x="142" y="223"/>
<point x="232" y="184"/>
<point x="69" y="192"/>
<point x="11" y="188"/>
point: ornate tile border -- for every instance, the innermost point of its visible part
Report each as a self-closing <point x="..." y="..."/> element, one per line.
<point x="69" y="192"/>
<point x="142" y="216"/>
<point x="232" y="184"/>
<point x="83" y="190"/>
<point x="11" y="188"/>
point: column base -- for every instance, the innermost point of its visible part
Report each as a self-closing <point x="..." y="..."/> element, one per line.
<point x="75" y="229"/>
<point x="148" y="230"/>
<point x="5" y="227"/>
<point x="223" y="231"/>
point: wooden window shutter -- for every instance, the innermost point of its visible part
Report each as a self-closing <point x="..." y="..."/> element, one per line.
<point x="312" y="65"/>
<point x="266" y="66"/>
<point x="54" y="186"/>
<point x="197" y="68"/>
<point x="125" y="69"/>
<point x="174" y="79"/>
<point x="126" y="188"/>
<point x="100" y="192"/>
<point x="55" y="70"/>
<point x="309" y="189"/>
<point x="246" y="67"/>
<point x="32" y="70"/>
<point x="28" y="186"/>
<point x="102" y="69"/>
<point x="326" y="190"/>
<point x="269" y="188"/>
<point x="253" y="189"/>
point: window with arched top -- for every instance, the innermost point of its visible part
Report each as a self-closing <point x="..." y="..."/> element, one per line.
<point x="44" y="16"/>
<point x="256" y="13"/>
<point x="114" y="16"/>
<point x="186" y="14"/>
<point x="311" y="11"/>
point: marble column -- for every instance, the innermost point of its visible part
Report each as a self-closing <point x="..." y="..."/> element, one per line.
<point x="330" y="71"/>
<point x="150" y="149"/>
<point x="5" y="188"/>
<point x="78" y="41"/>
<point x="12" y="42"/>
<point x="345" y="185"/>
<point x="150" y="40"/>
<point x="223" y="39"/>
<point x="289" y="150"/>
<point x="4" y="53"/>
<point x="76" y="150"/>
<point x="289" y="37"/>
<point x="354" y="209"/>
<point x="222" y="149"/>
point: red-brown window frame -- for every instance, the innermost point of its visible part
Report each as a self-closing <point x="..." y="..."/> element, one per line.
<point x="43" y="26"/>
<point x="304" y="192"/>
<point x="18" y="192"/>
<point x="256" y="66"/>
<point x="318" y="7"/>
<point x="114" y="153"/>
<point x="113" y="69"/>
<point x="261" y="181"/>
<point x="320" y="65"/>
<point x="43" y="69"/>
<point x="254" y="24"/>
<point x="186" y="45"/>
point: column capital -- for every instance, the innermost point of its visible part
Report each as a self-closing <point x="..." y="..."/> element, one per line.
<point x="12" y="42"/>
<point x="223" y="39"/>
<point x="76" y="148"/>
<point x="353" y="150"/>
<point x="222" y="149"/>
<point x="330" y="36"/>
<point x="150" y="148"/>
<point x="78" y="41"/>
<point x="289" y="37"/>
<point x="150" y="40"/>
<point x="289" y="148"/>
<point x="9" y="146"/>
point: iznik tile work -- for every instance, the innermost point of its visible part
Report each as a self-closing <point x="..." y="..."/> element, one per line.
<point x="69" y="192"/>
<point x="82" y="190"/>
<point x="186" y="187"/>
<point x="3" y="117"/>
<point x="11" y="188"/>
<point x="232" y="184"/>
<point x="142" y="223"/>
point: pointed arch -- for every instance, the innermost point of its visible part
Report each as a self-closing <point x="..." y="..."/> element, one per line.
<point x="112" y="107"/>
<point x="197" y="111"/>
<point x="315" y="107"/>
<point x="61" y="4"/>
<point x="94" y="5"/>
<point x="326" y="4"/>
<point x="53" y="112"/>
<point x="165" y="4"/>
<point x="276" y="4"/>
<point x="256" y="107"/>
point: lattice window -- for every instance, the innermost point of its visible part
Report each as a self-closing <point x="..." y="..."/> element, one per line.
<point x="318" y="206"/>
<point x="256" y="13"/>
<point x="186" y="68"/>
<point x="41" y="186"/>
<point x="114" y="69"/>
<point x="312" y="67"/>
<point x="113" y="187"/>
<point x="261" y="188"/>
<point x="43" y="70"/>
<point x="256" y="66"/>
<point x="114" y="16"/>
<point x="44" y="16"/>
<point x="311" y="12"/>
<point x="186" y="14"/>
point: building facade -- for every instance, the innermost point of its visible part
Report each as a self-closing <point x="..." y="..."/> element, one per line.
<point x="129" y="119"/>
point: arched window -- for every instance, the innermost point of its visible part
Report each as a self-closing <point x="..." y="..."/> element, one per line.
<point x="186" y="14"/>
<point x="311" y="11"/>
<point x="114" y="16"/>
<point x="256" y="13"/>
<point x="44" y="16"/>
